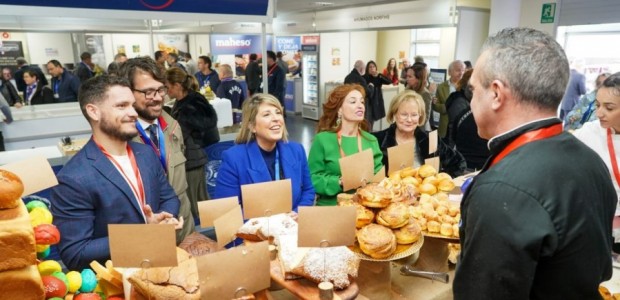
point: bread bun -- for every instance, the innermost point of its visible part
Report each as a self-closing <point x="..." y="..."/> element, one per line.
<point x="446" y="229"/>
<point x="433" y="227"/>
<point x="373" y="195"/>
<point x="445" y="185"/>
<point x="408" y="172"/>
<point x="377" y="241"/>
<point x="11" y="190"/>
<point x="343" y="197"/>
<point x="426" y="171"/>
<point x="396" y="215"/>
<point x="455" y="230"/>
<point x="363" y="215"/>
<point x="427" y="188"/>
<point x="408" y="234"/>
<point x="443" y="175"/>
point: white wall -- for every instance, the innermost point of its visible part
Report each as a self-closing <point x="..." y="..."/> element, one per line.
<point x="472" y="31"/>
<point x="334" y="47"/>
<point x="447" y="47"/>
<point x="504" y="13"/>
<point x="54" y="42"/>
<point x="530" y="16"/>
<point x="199" y="44"/>
<point x="142" y="41"/>
<point x="363" y="46"/>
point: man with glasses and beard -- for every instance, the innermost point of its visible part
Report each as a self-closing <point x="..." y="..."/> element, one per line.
<point x="111" y="180"/>
<point x="159" y="130"/>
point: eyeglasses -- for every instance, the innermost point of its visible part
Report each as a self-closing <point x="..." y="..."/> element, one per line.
<point x="150" y="93"/>
<point x="405" y="116"/>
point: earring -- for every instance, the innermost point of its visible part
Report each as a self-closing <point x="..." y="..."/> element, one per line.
<point x="338" y="120"/>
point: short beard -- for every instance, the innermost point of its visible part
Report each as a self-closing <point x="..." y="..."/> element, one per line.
<point x="113" y="131"/>
<point x="145" y="114"/>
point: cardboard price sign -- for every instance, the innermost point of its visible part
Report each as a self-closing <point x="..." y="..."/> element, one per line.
<point x="227" y="225"/>
<point x="357" y="169"/>
<point x="326" y="226"/>
<point x="235" y="272"/>
<point x="400" y="157"/>
<point x="267" y="198"/>
<point x="143" y="245"/>
<point x="215" y="208"/>
<point x="36" y="174"/>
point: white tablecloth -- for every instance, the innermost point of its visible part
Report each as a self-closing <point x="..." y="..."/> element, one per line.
<point x="223" y="108"/>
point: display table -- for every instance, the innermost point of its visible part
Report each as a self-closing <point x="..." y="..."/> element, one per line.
<point x="44" y="125"/>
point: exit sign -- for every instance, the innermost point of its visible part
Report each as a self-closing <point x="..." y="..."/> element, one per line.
<point x="548" y="13"/>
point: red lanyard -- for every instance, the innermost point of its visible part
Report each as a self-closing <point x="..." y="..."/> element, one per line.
<point x="359" y="143"/>
<point x="139" y="190"/>
<point x="272" y="69"/>
<point x="612" y="156"/>
<point x="528" y="137"/>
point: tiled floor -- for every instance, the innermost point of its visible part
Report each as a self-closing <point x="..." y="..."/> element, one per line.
<point x="301" y="130"/>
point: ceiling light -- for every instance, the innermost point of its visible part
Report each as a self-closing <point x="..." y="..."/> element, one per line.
<point x="323" y="4"/>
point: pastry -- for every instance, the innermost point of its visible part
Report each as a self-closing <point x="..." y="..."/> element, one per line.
<point x="408" y="234"/>
<point x="426" y="171"/>
<point x="433" y="227"/>
<point x="261" y="229"/>
<point x="396" y="215"/>
<point x="446" y="229"/>
<point x="344" y="197"/>
<point x="427" y="188"/>
<point x="11" y="190"/>
<point x="197" y="244"/>
<point x="24" y="283"/>
<point x="408" y="172"/>
<point x="16" y="238"/>
<point x="373" y="195"/>
<point x="180" y="282"/>
<point x="377" y="241"/>
<point x="445" y="185"/>
<point x="363" y="215"/>
<point x="333" y="264"/>
<point x="455" y="230"/>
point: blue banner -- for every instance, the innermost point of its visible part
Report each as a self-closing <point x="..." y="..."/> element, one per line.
<point x="239" y="7"/>
<point x="238" y="44"/>
<point x="288" y="43"/>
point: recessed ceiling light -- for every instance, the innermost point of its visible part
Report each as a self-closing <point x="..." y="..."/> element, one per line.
<point x="323" y="4"/>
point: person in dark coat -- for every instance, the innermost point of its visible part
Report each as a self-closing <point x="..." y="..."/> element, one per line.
<point x="536" y="222"/>
<point x="36" y="93"/>
<point x="7" y="89"/>
<point x="22" y="66"/>
<point x="375" y="108"/>
<point x="197" y="118"/>
<point x="253" y="75"/>
<point x="406" y="114"/>
<point x="276" y="78"/>
<point x="64" y="84"/>
<point x="229" y="88"/>
<point x="357" y="77"/>
<point x="462" y="129"/>
<point x="84" y="70"/>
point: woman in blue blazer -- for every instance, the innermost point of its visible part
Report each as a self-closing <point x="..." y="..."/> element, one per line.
<point x="262" y="153"/>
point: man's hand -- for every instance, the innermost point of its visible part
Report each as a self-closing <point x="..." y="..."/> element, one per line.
<point x="162" y="218"/>
<point x="18" y="105"/>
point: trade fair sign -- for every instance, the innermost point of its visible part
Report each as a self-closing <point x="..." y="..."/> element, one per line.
<point x="237" y="7"/>
<point x="288" y="43"/>
<point x="238" y="44"/>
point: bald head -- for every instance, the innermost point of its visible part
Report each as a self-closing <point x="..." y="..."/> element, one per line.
<point x="359" y="66"/>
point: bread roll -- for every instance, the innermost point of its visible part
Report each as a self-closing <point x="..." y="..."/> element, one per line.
<point x="433" y="227"/>
<point x="426" y="171"/>
<point x="453" y="210"/>
<point x="455" y="230"/>
<point x="11" y="189"/>
<point x="373" y="195"/>
<point x="363" y="215"/>
<point x="427" y="188"/>
<point x="445" y="185"/>
<point x="408" y="172"/>
<point x="431" y="179"/>
<point x="446" y="229"/>
<point x="408" y="234"/>
<point x="396" y="215"/>
<point x="377" y="241"/>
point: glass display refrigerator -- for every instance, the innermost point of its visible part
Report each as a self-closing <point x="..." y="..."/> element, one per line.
<point x="310" y="72"/>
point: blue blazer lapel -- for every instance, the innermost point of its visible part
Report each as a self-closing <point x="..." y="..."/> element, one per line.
<point x="257" y="169"/>
<point x="110" y="173"/>
<point x="290" y="165"/>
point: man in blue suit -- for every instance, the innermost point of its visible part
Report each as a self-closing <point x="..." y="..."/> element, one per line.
<point x="109" y="181"/>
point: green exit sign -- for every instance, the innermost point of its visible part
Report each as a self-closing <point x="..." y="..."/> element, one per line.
<point x="548" y="13"/>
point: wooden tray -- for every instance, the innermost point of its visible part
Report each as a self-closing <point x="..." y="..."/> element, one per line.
<point x="306" y="289"/>
<point x="402" y="251"/>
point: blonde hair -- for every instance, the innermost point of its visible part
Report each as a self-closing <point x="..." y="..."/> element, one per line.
<point x="402" y="97"/>
<point x="250" y="111"/>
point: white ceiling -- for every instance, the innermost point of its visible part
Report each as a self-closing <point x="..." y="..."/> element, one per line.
<point x="300" y="6"/>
